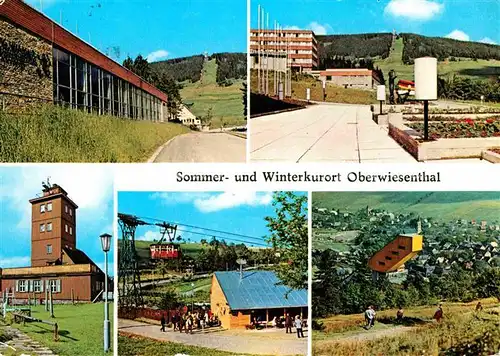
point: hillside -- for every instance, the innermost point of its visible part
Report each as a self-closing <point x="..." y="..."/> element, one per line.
<point x="445" y="205"/>
<point x="468" y="59"/>
<point x="181" y="69"/>
<point x="213" y="84"/>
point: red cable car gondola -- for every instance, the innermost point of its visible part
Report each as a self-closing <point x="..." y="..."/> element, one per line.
<point x="165" y="251"/>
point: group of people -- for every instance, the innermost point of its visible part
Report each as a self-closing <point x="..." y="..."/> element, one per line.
<point x="188" y="321"/>
<point x="287" y="321"/>
<point x="370" y="315"/>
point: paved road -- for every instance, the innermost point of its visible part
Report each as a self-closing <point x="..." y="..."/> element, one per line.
<point x="323" y="133"/>
<point x="204" y="147"/>
<point x="265" y="342"/>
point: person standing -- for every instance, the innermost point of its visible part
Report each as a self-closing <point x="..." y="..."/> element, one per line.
<point x="399" y="315"/>
<point x="162" y="321"/>
<point x="298" y="326"/>
<point x="288" y="323"/>
<point x="370" y="317"/>
<point x="438" y="315"/>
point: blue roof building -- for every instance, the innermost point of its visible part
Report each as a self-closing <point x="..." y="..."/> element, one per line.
<point x="238" y="298"/>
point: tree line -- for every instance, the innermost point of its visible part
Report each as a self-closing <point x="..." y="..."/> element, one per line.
<point x="357" y="46"/>
<point x="181" y="69"/>
<point x="230" y="66"/>
<point x="416" y="46"/>
<point x="462" y="88"/>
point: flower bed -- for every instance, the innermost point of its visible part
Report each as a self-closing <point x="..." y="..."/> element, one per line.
<point x="449" y="117"/>
<point x="463" y="128"/>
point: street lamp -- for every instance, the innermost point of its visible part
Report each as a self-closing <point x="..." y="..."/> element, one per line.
<point x="106" y="245"/>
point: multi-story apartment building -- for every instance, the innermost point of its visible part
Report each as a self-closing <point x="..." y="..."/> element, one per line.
<point x="296" y="49"/>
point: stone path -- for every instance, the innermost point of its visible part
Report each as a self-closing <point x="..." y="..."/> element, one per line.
<point x="264" y="342"/>
<point x="323" y="133"/>
<point x="23" y="343"/>
<point x="204" y="147"/>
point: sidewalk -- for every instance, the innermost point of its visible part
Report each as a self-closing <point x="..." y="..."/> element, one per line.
<point x="274" y="342"/>
<point x="323" y="133"/>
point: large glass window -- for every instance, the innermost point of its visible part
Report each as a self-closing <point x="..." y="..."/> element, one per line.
<point x="84" y="86"/>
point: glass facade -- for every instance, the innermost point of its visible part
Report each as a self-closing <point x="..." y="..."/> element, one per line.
<point x="84" y="86"/>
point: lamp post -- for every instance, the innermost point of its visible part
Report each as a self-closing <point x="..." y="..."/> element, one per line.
<point x="106" y="245"/>
<point x="381" y="95"/>
<point x="426" y="86"/>
<point x="192" y="298"/>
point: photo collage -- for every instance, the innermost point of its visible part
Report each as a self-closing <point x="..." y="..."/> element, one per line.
<point x="249" y="177"/>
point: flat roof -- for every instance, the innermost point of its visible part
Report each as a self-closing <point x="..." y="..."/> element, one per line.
<point x="24" y="15"/>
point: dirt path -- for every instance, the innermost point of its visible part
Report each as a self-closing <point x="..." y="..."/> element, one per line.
<point x="204" y="147"/>
<point x="263" y="342"/>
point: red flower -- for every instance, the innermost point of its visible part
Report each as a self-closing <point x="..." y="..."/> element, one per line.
<point x="490" y="121"/>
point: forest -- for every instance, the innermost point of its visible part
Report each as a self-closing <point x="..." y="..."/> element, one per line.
<point x="416" y="46"/>
<point x="230" y="66"/>
<point x="181" y="69"/>
<point x="458" y="263"/>
<point x="356" y="46"/>
<point x="460" y="88"/>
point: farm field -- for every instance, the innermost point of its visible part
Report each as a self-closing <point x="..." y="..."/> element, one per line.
<point x="80" y="329"/>
<point x="446" y="205"/>
<point x="226" y="102"/>
<point x="462" y="331"/>
<point x="465" y="67"/>
<point x="55" y="134"/>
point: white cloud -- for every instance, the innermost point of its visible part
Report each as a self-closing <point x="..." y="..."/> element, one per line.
<point x="89" y="186"/>
<point x="16" y="261"/>
<point x="156" y="55"/>
<point x="458" y="35"/>
<point x="487" y="40"/>
<point x="417" y="10"/>
<point x="314" y="26"/>
<point x="317" y="28"/>
<point x="178" y="198"/>
<point x="149" y="236"/>
<point x="229" y="200"/>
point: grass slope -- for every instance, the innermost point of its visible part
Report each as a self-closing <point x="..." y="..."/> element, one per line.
<point x="134" y="345"/>
<point x="80" y="329"/>
<point x="334" y="94"/>
<point x="466" y="67"/>
<point x="462" y="332"/>
<point x="226" y="102"/>
<point x="445" y="205"/>
<point x="55" y="134"/>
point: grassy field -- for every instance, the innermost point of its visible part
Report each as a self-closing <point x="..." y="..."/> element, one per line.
<point x="465" y="67"/>
<point x="226" y="102"/>
<point x="55" y="134"/>
<point x="462" y="332"/>
<point x="137" y="346"/>
<point x="80" y="329"/>
<point x="445" y="205"/>
<point x="334" y="93"/>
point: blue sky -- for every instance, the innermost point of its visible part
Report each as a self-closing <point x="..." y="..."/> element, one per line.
<point x="460" y="19"/>
<point x="162" y="29"/>
<point x="240" y="213"/>
<point x="89" y="186"/>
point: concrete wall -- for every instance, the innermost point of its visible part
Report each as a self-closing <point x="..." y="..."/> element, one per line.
<point x="355" y="81"/>
<point x="25" y="68"/>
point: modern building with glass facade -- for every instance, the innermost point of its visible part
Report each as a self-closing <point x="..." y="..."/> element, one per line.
<point x="40" y="61"/>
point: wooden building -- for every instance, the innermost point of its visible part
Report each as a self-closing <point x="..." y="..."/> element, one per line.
<point x="56" y="263"/>
<point x="237" y="298"/>
<point x="396" y="253"/>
